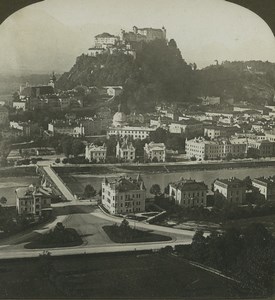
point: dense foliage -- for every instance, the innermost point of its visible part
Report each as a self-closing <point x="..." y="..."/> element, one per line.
<point x="246" y="255"/>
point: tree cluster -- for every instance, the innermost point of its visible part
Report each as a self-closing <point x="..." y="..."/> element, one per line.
<point x="247" y="255"/>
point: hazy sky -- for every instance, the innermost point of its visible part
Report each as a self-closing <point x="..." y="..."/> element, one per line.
<point x="49" y="35"/>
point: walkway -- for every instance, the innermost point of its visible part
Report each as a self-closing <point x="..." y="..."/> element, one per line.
<point x="59" y="183"/>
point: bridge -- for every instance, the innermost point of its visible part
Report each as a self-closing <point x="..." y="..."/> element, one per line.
<point x="52" y="178"/>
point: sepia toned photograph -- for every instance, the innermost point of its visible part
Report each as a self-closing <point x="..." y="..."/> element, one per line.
<point x="137" y="149"/>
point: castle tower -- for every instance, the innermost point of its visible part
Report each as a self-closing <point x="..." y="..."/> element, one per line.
<point x="135" y="29"/>
<point x="52" y="80"/>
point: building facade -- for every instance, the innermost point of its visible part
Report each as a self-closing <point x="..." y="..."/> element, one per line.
<point x="266" y="187"/>
<point x="95" y="153"/>
<point x="232" y="189"/>
<point x="125" y="151"/>
<point x="124" y="195"/>
<point x="188" y="192"/>
<point x="155" y="152"/>
<point x="32" y="200"/>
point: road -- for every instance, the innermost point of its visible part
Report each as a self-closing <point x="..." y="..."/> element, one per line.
<point x="89" y="226"/>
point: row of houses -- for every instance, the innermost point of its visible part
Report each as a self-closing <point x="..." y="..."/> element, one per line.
<point x="127" y="195"/>
<point x="203" y="149"/>
<point x="126" y="152"/>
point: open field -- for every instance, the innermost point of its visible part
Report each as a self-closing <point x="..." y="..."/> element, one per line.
<point x="125" y="275"/>
<point x="136" y="236"/>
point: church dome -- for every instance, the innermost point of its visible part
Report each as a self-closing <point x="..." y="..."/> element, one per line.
<point x="119" y="119"/>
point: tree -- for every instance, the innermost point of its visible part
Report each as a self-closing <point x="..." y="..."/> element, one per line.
<point x="155" y="189"/>
<point x="77" y="147"/>
<point x="5" y="146"/>
<point x="158" y="136"/>
<point x="229" y="156"/>
<point x="3" y="200"/>
<point x="67" y="146"/>
<point x="198" y="246"/>
<point x="89" y="191"/>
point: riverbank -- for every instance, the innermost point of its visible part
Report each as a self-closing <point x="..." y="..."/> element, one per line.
<point x="159" y="167"/>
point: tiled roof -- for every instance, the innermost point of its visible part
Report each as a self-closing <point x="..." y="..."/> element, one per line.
<point x="124" y="184"/>
<point x="189" y="185"/>
<point x="104" y="35"/>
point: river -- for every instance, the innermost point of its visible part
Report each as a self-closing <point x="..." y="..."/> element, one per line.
<point x="208" y="176"/>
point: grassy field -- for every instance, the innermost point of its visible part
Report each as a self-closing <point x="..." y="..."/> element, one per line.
<point x="112" y="276"/>
<point x="136" y="236"/>
<point x="17" y="171"/>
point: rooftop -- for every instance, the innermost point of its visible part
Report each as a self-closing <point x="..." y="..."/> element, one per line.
<point x="230" y="182"/>
<point x="124" y="184"/>
<point x="265" y="180"/>
<point x="189" y="184"/>
<point x="104" y="35"/>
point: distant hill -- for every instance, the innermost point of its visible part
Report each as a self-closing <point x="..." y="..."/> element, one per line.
<point x="252" y="81"/>
<point x="160" y="74"/>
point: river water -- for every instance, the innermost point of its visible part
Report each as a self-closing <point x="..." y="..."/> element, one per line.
<point x="77" y="183"/>
<point x="208" y="176"/>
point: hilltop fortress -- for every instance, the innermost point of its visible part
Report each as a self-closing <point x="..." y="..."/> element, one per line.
<point x="126" y="42"/>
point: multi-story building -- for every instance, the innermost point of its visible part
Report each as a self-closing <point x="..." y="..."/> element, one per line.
<point x="202" y="149"/>
<point x="211" y="100"/>
<point x="154" y="152"/>
<point x="212" y="132"/>
<point x="26" y="128"/>
<point x="143" y="34"/>
<point x="233" y="189"/>
<point x="20" y="105"/>
<point x="4" y="116"/>
<point x="64" y="128"/>
<point x="33" y="200"/>
<point x="266" y="187"/>
<point x="188" y="192"/>
<point x="124" y="195"/>
<point x="96" y="153"/>
<point x="270" y="135"/>
<point x="105" y="38"/>
<point x="189" y="127"/>
<point x="263" y="148"/>
<point x="131" y="132"/>
<point x="125" y="151"/>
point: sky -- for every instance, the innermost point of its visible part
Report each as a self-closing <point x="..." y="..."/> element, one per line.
<point x="49" y="35"/>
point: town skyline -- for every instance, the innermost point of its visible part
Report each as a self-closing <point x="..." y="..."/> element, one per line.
<point x="203" y="31"/>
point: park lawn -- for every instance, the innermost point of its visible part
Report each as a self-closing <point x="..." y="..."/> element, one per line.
<point x="117" y="275"/>
<point x="42" y="241"/>
<point x="137" y="236"/>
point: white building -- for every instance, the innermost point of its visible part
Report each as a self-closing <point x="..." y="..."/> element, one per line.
<point x="105" y="39"/>
<point x="211" y="100"/>
<point x="130" y="132"/>
<point x="155" y="152"/>
<point x="20" y="105"/>
<point x="188" y="193"/>
<point x="125" y="151"/>
<point x="113" y="90"/>
<point x="266" y="187"/>
<point x="33" y="201"/>
<point x="123" y="196"/>
<point x="233" y="189"/>
<point x="203" y="149"/>
<point x="95" y="153"/>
